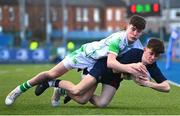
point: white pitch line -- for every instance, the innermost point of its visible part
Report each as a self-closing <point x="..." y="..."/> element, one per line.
<point x="4" y="72"/>
<point x="173" y="83"/>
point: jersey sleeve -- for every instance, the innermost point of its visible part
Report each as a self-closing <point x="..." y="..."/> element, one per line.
<point x="114" y="46"/>
<point x="156" y="73"/>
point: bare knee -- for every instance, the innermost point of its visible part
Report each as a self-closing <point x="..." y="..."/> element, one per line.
<point x="75" y="91"/>
<point x="83" y="101"/>
<point x="102" y="104"/>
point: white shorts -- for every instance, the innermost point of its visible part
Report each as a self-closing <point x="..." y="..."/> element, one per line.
<point x="78" y="60"/>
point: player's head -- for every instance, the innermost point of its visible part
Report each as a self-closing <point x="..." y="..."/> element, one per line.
<point x="152" y="51"/>
<point x="135" y="28"/>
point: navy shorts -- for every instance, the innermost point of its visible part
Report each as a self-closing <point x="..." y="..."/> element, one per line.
<point x="104" y="75"/>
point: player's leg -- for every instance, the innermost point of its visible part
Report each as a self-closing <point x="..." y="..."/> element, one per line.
<point x="106" y="96"/>
<point x="81" y="99"/>
<point x="75" y="60"/>
<point x="81" y="92"/>
<point x="110" y="83"/>
<point x="55" y="72"/>
<point x="81" y="87"/>
<point x="55" y="99"/>
<point x="78" y="89"/>
<point x="83" y="74"/>
<point x="85" y="97"/>
<point x="96" y="72"/>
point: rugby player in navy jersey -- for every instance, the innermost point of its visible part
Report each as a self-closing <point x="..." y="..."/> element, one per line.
<point x="83" y="91"/>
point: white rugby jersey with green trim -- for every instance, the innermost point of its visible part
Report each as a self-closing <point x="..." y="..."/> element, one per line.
<point x="116" y="43"/>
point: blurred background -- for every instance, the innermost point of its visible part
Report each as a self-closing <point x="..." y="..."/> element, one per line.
<point x="36" y="34"/>
<point x="44" y="31"/>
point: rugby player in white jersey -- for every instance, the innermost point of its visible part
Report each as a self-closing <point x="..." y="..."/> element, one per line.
<point x="87" y="55"/>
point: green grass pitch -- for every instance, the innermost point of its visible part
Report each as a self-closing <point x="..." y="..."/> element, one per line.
<point x="129" y="99"/>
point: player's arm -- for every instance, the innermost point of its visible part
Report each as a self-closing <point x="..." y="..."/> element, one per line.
<point x="114" y="64"/>
<point x="134" y="68"/>
<point x="162" y="87"/>
<point x="161" y="83"/>
<point x="115" y="46"/>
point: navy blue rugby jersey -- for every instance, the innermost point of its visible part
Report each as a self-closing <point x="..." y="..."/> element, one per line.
<point x="132" y="56"/>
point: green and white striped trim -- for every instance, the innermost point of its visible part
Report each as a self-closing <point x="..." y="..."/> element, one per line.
<point x="25" y="86"/>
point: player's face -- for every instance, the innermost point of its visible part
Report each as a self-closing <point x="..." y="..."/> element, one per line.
<point x="133" y="33"/>
<point x="149" y="56"/>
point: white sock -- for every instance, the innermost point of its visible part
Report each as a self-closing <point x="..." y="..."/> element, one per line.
<point x="51" y="83"/>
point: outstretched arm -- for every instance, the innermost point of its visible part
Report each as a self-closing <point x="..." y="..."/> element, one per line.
<point x="162" y="87"/>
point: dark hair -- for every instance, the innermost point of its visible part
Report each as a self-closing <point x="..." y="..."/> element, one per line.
<point x="156" y="45"/>
<point x="138" y="21"/>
